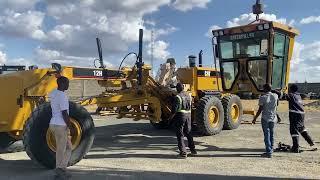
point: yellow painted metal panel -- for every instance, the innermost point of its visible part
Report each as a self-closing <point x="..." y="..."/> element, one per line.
<point x="207" y="83"/>
<point x="286" y="28"/>
<point x="9" y="108"/>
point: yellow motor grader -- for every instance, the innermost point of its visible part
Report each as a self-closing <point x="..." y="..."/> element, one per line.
<point x="249" y="56"/>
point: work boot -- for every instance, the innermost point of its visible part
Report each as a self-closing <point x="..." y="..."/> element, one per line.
<point x="182" y="155"/>
<point x="67" y="174"/>
<point x="308" y="138"/>
<point x="295" y="144"/>
<point x="61" y="173"/>
<point x="193" y="152"/>
<point x="279" y="118"/>
<point x="296" y="150"/>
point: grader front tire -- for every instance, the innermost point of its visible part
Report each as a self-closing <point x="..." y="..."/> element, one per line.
<point x="233" y="112"/>
<point x="209" y="115"/>
<point x="41" y="149"/>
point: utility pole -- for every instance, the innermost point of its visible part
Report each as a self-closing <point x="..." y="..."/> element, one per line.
<point x="152" y="49"/>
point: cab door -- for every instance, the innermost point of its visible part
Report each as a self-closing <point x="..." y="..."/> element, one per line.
<point x="280" y="60"/>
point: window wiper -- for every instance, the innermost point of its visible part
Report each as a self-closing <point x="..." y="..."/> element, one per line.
<point x="278" y="57"/>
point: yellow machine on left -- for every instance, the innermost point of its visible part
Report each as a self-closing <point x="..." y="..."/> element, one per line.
<point x="25" y="109"/>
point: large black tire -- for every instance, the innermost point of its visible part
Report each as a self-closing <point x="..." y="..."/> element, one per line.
<point x="206" y="105"/>
<point x="34" y="137"/>
<point x="6" y="140"/>
<point x="233" y="112"/>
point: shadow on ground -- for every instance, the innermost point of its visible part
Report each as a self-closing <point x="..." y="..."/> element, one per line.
<point x="26" y="170"/>
<point x="155" y="175"/>
<point x="133" y="137"/>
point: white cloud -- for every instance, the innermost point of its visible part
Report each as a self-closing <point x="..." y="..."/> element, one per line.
<point x="248" y="18"/>
<point x="161" y="32"/>
<point x="296" y="56"/>
<point x="45" y="56"/>
<point x="116" y="23"/>
<point x="3" y="57"/>
<point x="27" y="24"/>
<point x="186" y="5"/>
<point x="245" y="19"/>
<point x="213" y="27"/>
<point x="18" y="5"/>
<point x="306" y="62"/>
<point x="76" y="24"/>
<point x="160" y="50"/>
<point x="18" y="61"/>
<point x="310" y="19"/>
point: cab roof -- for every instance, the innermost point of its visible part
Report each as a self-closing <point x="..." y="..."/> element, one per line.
<point x="253" y="27"/>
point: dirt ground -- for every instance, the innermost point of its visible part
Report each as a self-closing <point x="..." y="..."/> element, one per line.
<point x="125" y="149"/>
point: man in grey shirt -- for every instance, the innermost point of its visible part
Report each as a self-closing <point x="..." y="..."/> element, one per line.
<point x="268" y="106"/>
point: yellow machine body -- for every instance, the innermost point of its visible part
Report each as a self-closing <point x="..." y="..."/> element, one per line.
<point x="199" y="79"/>
<point x="24" y="90"/>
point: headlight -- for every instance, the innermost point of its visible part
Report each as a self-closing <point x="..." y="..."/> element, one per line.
<point x="260" y="27"/>
<point x="266" y="26"/>
<point x="221" y="33"/>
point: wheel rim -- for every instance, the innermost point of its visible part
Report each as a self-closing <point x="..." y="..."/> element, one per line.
<point x="76" y="134"/>
<point x="235" y="112"/>
<point x="213" y="116"/>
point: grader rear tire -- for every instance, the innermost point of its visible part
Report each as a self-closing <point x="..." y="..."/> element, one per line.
<point x="40" y="147"/>
<point x="232" y="112"/>
<point x="6" y="140"/>
<point x="209" y="115"/>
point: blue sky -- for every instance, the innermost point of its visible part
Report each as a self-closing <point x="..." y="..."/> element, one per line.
<point x="43" y="31"/>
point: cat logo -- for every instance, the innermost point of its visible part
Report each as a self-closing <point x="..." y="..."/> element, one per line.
<point x="207" y="73"/>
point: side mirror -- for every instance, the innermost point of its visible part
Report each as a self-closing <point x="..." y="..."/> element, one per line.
<point x="56" y="67"/>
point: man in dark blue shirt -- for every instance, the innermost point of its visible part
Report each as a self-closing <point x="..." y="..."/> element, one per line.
<point x="296" y="118"/>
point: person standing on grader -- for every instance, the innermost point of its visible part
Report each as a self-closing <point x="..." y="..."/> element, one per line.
<point x="60" y="126"/>
<point x="182" y="116"/>
<point x="268" y="106"/>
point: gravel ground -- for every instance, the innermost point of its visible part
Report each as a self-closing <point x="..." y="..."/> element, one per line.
<point x="125" y="149"/>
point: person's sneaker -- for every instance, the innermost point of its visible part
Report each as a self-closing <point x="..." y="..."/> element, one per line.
<point x="266" y="155"/>
<point x="193" y="152"/>
<point x="182" y="155"/>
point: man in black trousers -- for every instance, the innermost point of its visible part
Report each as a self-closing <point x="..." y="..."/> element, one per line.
<point x="182" y="115"/>
<point x="296" y="118"/>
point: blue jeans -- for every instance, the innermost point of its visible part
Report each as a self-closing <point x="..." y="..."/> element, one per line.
<point x="268" y="128"/>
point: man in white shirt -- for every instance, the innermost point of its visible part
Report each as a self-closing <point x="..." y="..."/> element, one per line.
<point x="60" y="124"/>
<point x="268" y="107"/>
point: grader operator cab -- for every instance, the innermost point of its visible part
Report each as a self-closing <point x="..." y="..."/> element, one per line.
<point x="255" y="54"/>
<point x="249" y="56"/>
